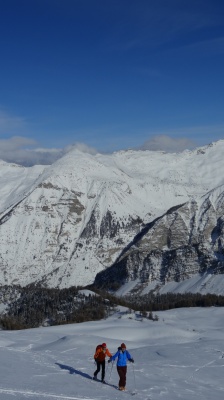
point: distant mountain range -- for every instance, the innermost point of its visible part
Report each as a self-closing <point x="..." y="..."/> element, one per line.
<point x="140" y="219"/>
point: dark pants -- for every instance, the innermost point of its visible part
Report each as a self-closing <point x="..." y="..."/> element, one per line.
<point x="122" y="371"/>
<point x="102" y="365"/>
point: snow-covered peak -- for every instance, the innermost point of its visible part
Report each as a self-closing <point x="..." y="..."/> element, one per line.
<point x="74" y="218"/>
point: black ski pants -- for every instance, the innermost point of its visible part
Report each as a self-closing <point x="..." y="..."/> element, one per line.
<point x="102" y="365"/>
<point x="122" y="371"/>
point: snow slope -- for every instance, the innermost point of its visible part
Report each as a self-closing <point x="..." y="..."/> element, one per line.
<point x="15" y="182"/>
<point x="179" y="357"/>
<point x="198" y="283"/>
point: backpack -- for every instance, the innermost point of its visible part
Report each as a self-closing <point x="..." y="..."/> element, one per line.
<point x="99" y="346"/>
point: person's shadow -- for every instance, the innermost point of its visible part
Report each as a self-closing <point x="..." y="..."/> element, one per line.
<point x="72" y="371"/>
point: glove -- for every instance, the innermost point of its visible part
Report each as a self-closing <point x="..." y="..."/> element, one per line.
<point x="131" y="360"/>
<point x="109" y="361"/>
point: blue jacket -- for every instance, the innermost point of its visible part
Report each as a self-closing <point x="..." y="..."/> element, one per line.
<point x="122" y="358"/>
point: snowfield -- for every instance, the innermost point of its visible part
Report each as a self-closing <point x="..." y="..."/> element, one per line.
<point x="179" y="357"/>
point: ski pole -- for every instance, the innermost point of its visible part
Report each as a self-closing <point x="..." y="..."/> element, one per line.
<point x="134" y="377"/>
<point x="105" y="373"/>
<point x="111" y="369"/>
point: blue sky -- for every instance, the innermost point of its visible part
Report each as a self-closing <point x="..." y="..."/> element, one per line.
<point x="110" y="75"/>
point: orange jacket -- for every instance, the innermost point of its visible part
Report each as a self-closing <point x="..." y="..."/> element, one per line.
<point x="101" y="354"/>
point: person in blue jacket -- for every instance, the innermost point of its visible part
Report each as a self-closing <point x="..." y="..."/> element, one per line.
<point x="122" y="356"/>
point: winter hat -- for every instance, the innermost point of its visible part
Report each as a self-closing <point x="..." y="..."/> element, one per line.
<point x="104" y="345"/>
<point x="123" y="346"/>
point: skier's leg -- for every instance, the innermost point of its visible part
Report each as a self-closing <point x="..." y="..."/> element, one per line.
<point x="103" y="370"/>
<point x="119" y="371"/>
<point x="97" y="370"/>
<point x="122" y="374"/>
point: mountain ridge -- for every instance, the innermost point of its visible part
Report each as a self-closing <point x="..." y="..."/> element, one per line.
<point x="74" y="218"/>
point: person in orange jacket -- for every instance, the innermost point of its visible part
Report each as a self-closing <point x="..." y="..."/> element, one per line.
<point x="99" y="356"/>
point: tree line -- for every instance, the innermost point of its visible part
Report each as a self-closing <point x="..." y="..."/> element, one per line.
<point x="37" y="306"/>
<point x="33" y="306"/>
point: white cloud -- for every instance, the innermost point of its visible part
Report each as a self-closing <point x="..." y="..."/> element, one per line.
<point x="15" y="143"/>
<point x="167" y="143"/>
<point x="18" y="149"/>
<point x="22" y="150"/>
<point x="25" y="151"/>
<point x="84" y="148"/>
<point x="45" y="150"/>
<point x="9" y="123"/>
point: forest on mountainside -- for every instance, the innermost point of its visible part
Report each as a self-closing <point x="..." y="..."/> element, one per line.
<point x="33" y="306"/>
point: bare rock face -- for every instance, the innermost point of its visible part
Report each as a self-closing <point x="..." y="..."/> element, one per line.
<point x="186" y="240"/>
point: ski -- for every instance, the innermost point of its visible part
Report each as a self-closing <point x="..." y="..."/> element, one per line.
<point x="96" y="380"/>
<point x="132" y="393"/>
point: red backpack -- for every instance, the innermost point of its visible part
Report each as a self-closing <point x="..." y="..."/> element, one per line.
<point x="99" y="346"/>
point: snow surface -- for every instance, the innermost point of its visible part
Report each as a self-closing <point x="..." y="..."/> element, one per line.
<point x="198" y="283"/>
<point x="15" y="182"/>
<point x="179" y="357"/>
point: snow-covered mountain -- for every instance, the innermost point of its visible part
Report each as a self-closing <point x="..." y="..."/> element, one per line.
<point x="187" y="240"/>
<point x="62" y="224"/>
<point x="15" y="182"/>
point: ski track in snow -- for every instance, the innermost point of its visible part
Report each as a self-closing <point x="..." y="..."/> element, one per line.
<point x="39" y="394"/>
<point x="172" y="361"/>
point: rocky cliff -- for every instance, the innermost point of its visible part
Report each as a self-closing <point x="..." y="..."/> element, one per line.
<point x="187" y="240"/>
